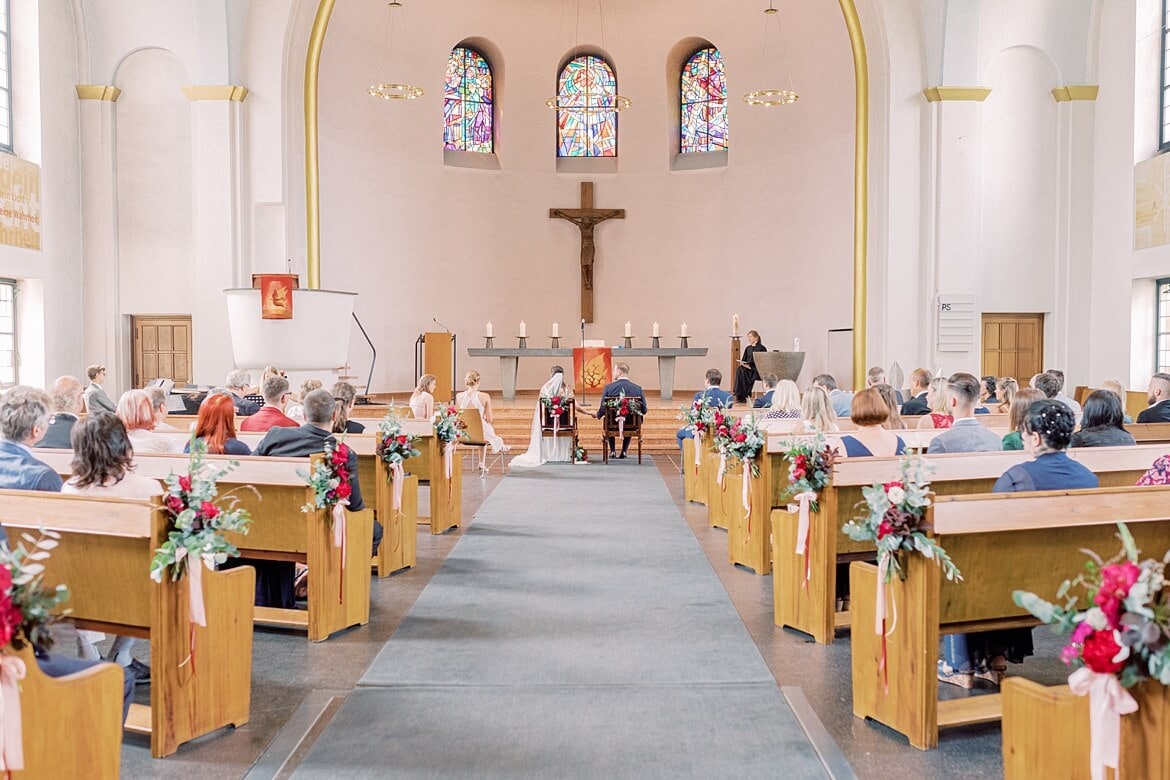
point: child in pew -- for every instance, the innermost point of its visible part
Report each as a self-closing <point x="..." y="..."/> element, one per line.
<point x="1046" y="431"/>
<point x="103" y="466"/>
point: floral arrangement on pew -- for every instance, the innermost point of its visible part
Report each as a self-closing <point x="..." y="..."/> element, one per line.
<point x="810" y="466"/>
<point x="741" y="443"/>
<point x="700" y="418"/>
<point x="624" y="408"/>
<point x="395" y="446"/>
<point x="893" y="520"/>
<point x="27" y="610"/>
<point x="1118" y="620"/>
<point x="198" y="523"/>
<point x="450" y="429"/>
<point x="329" y="480"/>
<point x="555" y="407"/>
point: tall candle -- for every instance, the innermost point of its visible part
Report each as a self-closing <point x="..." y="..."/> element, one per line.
<point x="684" y="330"/>
<point x="523" y="329"/>
<point x="556" y="330"/>
<point x="489" y="330"/>
<point x="655" y="333"/>
<point x="629" y="330"/>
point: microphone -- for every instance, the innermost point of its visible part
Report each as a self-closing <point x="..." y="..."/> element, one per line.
<point x="441" y="325"/>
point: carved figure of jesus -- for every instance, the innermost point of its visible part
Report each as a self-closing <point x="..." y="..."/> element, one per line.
<point x="586" y="219"/>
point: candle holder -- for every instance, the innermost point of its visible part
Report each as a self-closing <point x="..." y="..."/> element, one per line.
<point x="523" y="342"/>
<point x="682" y="341"/>
<point x="556" y="342"/>
<point x="654" y="342"/>
<point x="488" y="342"/>
<point x="628" y="342"/>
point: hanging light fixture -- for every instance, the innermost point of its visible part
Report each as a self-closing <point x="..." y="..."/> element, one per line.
<point x="391" y="90"/>
<point x="772" y="96"/>
<point x="620" y="103"/>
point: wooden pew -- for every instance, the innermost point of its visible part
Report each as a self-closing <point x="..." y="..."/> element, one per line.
<point x="282" y="532"/>
<point x="399" y="548"/>
<point x="104" y="559"/>
<point x="92" y="697"/>
<point x="1001" y="542"/>
<point x="812" y="609"/>
<point x="1150" y="433"/>
<point x="696" y="480"/>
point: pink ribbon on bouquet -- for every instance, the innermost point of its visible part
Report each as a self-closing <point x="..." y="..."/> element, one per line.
<point x="1108" y="701"/>
<point x="397" y="477"/>
<point x="556" y="425"/>
<point x="12" y="671"/>
<point x="449" y="464"/>
<point x="722" y="467"/>
<point x="880" y="614"/>
<point x="621" y="421"/>
<point x="339" y="542"/>
<point x="802" y="526"/>
<point x="698" y="436"/>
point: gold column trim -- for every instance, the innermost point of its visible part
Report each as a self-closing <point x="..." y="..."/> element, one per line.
<point x="98" y="92"/>
<point x="1083" y="92"/>
<point x="312" y="157"/>
<point x="216" y="92"/>
<point x="970" y="94"/>
<point x="860" y="191"/>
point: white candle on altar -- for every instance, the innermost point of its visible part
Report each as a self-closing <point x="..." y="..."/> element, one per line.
<point x="556" y="330"/>
<point x="684" y="330"/>
<point x="489" y="330"/>
<point x="629" y="330"/>
<point x="523" y="329"/>
<point x="655" y="333"/>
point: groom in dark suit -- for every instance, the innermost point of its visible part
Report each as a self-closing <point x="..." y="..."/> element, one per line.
<point x="615" y="389"/>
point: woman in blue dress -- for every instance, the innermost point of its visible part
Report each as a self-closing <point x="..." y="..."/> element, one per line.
<point x="870" y="413"/>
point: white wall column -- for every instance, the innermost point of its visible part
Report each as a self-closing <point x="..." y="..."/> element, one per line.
<point x="216" y="143"/>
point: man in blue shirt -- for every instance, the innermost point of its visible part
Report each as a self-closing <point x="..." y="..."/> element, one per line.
<point x="716" y="396"/>
<point x="765" y="400"/>
<point x="620" y="386"/>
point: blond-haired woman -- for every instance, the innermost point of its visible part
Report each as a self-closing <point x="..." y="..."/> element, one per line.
<point x="936" y="398"/>
<point x="422" y="401"/>
<point x="474" y="398"/>
<point x="1008" y="388"/>
<point x="296" y="410"/>
<point x="783" y="415"/>
<point x="817" y="411"/>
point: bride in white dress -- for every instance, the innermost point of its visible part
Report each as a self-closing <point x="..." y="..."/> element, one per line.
<point x="543" y="449"/>
<point x="472" y="398"/>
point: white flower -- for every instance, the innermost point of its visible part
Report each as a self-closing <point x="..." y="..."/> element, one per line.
<point x="897" y="495"/>
<point x="1096" y="618"/>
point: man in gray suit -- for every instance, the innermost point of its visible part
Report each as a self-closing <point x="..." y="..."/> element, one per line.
<point x="96" y="400"/>
<point x="66" y="395"/>
<point x="967" y="434"/>
<point x="841" y="400"/>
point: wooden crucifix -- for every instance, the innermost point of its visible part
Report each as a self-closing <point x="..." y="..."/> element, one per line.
<point x="586" y="218"/>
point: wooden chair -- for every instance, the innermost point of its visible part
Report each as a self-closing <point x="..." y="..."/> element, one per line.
<point x="475" y="439"/>
<point x="609" y="430"/>
<point x="564" y="425"/>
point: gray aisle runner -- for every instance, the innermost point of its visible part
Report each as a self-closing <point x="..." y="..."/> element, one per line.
<point x="577" y="630"/>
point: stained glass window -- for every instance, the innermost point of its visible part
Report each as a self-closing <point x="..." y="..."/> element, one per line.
<point x="587" y="116"/>
<point x="467" y="102"/>
<point x="704" y="103"/>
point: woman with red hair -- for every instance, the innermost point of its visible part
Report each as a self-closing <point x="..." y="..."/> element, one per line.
<point x="216" y="427"/>
<point x="137" y="413"/>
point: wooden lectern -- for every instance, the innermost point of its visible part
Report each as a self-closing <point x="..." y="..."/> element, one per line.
<point x="434" y="353"/>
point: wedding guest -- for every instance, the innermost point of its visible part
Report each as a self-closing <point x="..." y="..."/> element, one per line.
<point x="1158" y="396"/>
<point x="877" y="376"/>
<point x="158" y="402"/>
<point x="622" y="385"/>
<point x="216" y="427"/>
<point x="765" y="400"/>
<point x="917" y="404"/>
<point x="987" y="391"/>
<point x="1050" y="384"/>
<point x="137" y="414"/>
<point x="869" y="413"/>
<point x="474" y="398"/>
<point x="1102" y="425"/>
<point x="1008" y="388"/>
<point x="346" y="396"/>
<point x="817" y="411"/>
<point x="783" y="415"/>
<point x="295" y="410"/>
<point x="422" y="402"/>
<point x="966" y="434"/>
<point x="271" y="415"/>
<point x="66" y="396"/>
<point x="96" y="399"/>
<point x="895" y="422"/>
<point x="1115" y="386"/>
<point x="1078" y="412"/>
<point x="238" y="385"/>
<point x="746" y="374"/>
<point x="1020" y="403"/>
<point x="24" y="418"/>
<point x="940" y="407"/>
<point x="716" y="397"/>
<point x="842" y="401"/>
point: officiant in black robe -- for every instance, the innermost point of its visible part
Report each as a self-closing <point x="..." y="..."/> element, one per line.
<point x="746" y="374"/>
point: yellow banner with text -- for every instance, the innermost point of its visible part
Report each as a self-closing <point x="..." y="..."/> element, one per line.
<point x="20" y="203"/>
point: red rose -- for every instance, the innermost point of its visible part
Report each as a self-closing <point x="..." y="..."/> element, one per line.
<point x="343" y="490"/>
<point x="1116" y="581"/>
<point x="175" y="504"/>
<point x="1099" y="651"/>
<point x="185" y="482"/>
<point x="798" y="473"/>
<point x="10" y="620"/>
<point x="339" y="458"/>
<point x="888" y="485"/>
<point x="402" y="440"/>
<point x="885" y="529"/>
<point x="208" y="510"/>
<point x="5" y="579"/>
<point x="741" y="437"/>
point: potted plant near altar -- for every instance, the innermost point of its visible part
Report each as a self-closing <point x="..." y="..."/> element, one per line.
<point x="580" y="455"/>
<point x="1116" y="614"/>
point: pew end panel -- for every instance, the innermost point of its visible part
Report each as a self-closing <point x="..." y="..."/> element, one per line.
<point x="446" y="494"/>
<point x="748" y="531"/>
<point x="399" y="548"/>
<point x="811" y="607"/>
<point x="1045" y="731"/>
<point x="338" y="597"/>
<point x="92" y="697"/>
<point x="694" y="483"/>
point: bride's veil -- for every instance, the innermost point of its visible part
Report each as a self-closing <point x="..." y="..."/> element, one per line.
<point x="532" y="457"/>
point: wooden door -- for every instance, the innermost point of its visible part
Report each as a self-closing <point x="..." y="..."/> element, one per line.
<point x="161" y="347"/>
<point x="1013" y="345"/>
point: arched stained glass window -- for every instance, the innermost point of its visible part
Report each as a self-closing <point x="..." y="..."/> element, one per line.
<point x="587" y="112"/>
<point x="704" y="103"/>
<point x="467" y="102"/>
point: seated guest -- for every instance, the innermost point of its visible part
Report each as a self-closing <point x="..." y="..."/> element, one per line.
<point x="24" y="419"/>
<point x="917" y="404"/>
<point x="1050" y="384"/>
<point x="137" y="414"/>
<point x="1064" y="399"/>
<point x="817" y="411"/>
<point x="1008" y="388"/>
<point x="192" y="402"/>
<point x="295" y="410"/>
<point x="746" y="373"/>
<point x="987" y="391"/>
<point x="1102" y="424"/>
<point x="274" y="579"/>
<point x="422" y="401"/>
<point x="716" y="397"/>
<point x="103" y="466"/>
<point x="237" y="385"/>
<point x="621" y="385"/>
<point x="1158" y="396"/>
<point x="784" y="415"/>
<point x="96" y="399"/>
<point x="877" y="376"/>
<point x="216" y="427"/>
<point x="66" y="395"/>
<point x="271" y="415"/>
<point x="940" y="407"/>
<point x="889" y="395"/>
<point x="842" y="401"/>
<point x="765" y="400"/>
<point x="869" y="413"/>
<point x="1020" y="403"/>
<point x="472" y="398"/>
<point x="1115" y="386"/>
<point x="1047" y="430"/>
<point x="158" y="402"/>
<point x="967" y="434"/>
<point x="256" y="394"/>
<point x="345" y="395"/>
